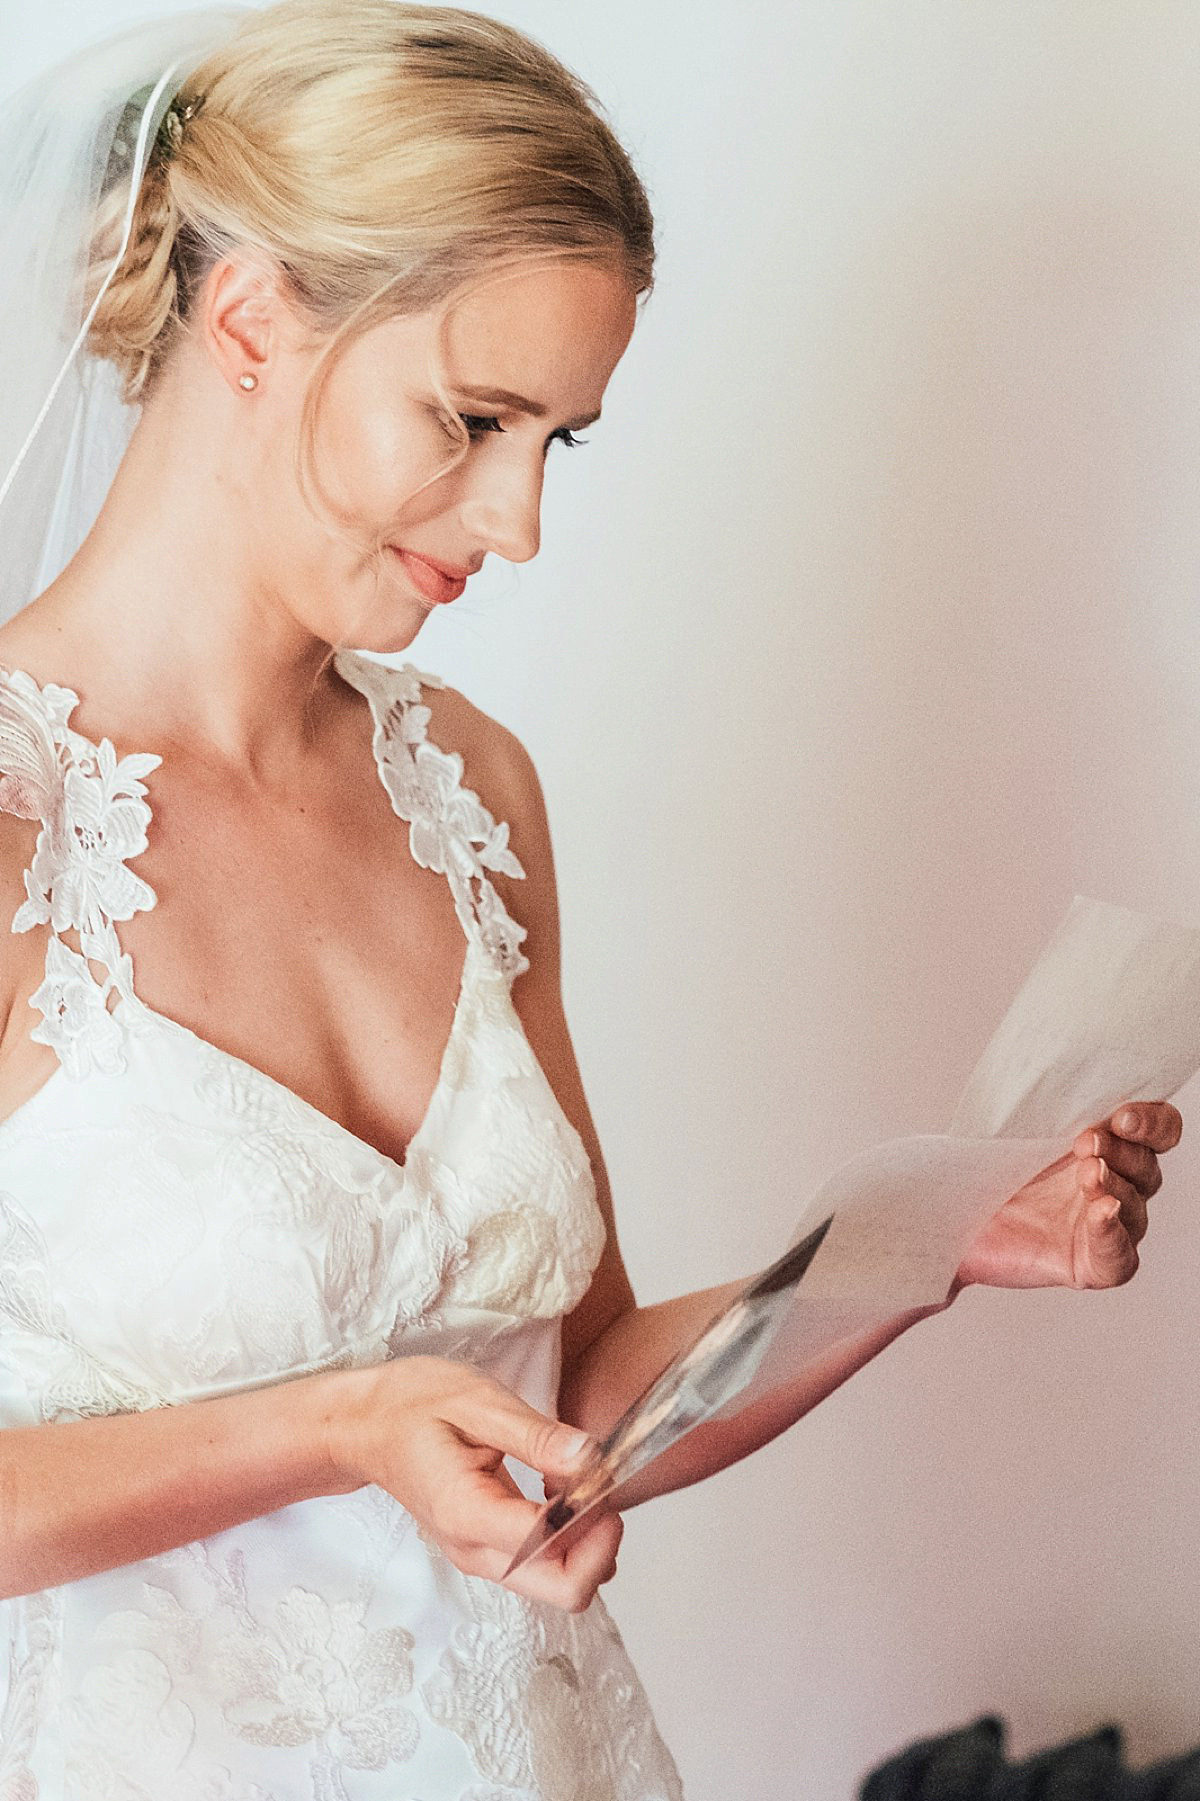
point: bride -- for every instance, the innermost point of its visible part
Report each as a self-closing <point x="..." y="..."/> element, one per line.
<point x="304" y="1224"/>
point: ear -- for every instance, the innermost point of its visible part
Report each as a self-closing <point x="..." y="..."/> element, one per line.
<point x="242" y="318"/>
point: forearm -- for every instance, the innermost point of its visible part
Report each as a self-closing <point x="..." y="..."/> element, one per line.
<point x="87" y="1495"/>
<point x="625" y="1359"/>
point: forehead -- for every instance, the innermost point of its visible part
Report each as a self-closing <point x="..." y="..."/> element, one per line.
<point x="553" y="332"/>
<point x="582" y="310"/>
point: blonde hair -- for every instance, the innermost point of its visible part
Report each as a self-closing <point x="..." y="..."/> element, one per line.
<point x="384" y="158"/>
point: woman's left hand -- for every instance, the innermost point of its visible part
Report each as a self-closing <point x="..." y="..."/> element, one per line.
<point x="1078" y="1224"/>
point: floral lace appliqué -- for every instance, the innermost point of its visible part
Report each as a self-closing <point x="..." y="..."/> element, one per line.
<point x="65" y="1380"/>
<point x="33" y="729"/>
<point x="76" y="1022"/>
<point x="450" y="830"/>
<point x="548" y="1703"/>
<point x="29" y="1690"/>
<point x="93" y="819"/>
<point x="312" y="1677"/>
<point x="318" y="1674"/>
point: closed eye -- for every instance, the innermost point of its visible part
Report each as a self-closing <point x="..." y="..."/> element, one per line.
<point x="478" y="424"/>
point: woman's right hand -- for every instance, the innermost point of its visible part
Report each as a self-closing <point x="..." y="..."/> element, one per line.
<point x="434" y="1433"/>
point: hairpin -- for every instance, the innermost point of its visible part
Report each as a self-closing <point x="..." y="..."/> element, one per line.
<point x="170" y="133"/>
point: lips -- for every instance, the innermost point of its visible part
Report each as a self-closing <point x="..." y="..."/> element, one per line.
<point x="438" y="582"/>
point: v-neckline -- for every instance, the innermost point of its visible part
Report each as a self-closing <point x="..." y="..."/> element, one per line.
<point x="273" y="1085"/>
<point x="476" y="951"/>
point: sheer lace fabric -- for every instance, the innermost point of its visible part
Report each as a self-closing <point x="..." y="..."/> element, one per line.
<point x="174" y="1224"/>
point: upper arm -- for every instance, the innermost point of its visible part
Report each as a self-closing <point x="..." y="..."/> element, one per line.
<point x="507" y="781"/>
<point x="17" y="953"/>
<point x="29" y="776"/>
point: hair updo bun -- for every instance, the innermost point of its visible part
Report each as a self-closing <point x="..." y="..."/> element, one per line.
<point x="382" y="156"/>
<point x="134" y="321"/>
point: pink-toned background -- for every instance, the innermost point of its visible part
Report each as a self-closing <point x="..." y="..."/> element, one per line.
<point x="864" y="632"/>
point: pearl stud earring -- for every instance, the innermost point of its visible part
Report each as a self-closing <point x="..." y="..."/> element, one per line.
<point x="248" y="382"/>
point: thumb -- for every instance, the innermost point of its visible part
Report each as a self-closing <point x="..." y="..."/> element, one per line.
<point x="502" y="1420"/>
<point x="555" y="1448"/>
<point x="1111" y="1252"/>
<point x="568" y="1452"/>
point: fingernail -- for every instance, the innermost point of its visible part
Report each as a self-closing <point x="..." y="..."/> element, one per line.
<point x="1095" y="1144"/>
<point x="574" y="1446"/>
<point x="1126" y="1121"/>
<point x="1103" y="1170"/>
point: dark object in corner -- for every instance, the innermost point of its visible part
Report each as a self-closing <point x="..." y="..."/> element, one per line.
<point x="959" y="1766"/>
<point x="969" y="1764"/>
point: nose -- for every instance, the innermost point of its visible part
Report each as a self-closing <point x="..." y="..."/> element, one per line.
<point x="502" y="509"/>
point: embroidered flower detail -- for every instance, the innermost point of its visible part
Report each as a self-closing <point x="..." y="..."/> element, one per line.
<point x="28" y="1698"/>
<point x="93" y="818"/>
<point x="32" y="724"/>
<point x="76" y="1022"/>
<point x="428" y="1247"/>
<point x="321" y="1675"/>
<point x="534" y="1230"/>
<point x="548" y="1703"/>
<point x="40" y="1346"/>
<point x="499" y="930"/>
<point x="131" y="1708"/>
<point x="79" y="879"/>
<point x="429" y="781"/>
<point x="450" y="830"/>
<point x="160" y="1625"/>
<point x="128" y="1702"/>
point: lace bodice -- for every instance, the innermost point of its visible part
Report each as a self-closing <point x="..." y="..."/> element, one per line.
<point x="174" y="1223"/>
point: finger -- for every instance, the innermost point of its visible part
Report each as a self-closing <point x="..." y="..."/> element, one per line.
<point x="555" y="1574"/>
<point x="1135" y="1162"/>
<point x="1111" y="1254"/>
<point x="1097" y="1181"/>
<point x="1155" y="1123"/>
<point x="592" y="1559"/>
<point x="570" y="1579"/>
<point x="489" y="1414"/>
<point x="483" y="1509"/>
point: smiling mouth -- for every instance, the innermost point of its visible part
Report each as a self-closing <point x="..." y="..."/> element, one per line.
<point x="432" y="581"/>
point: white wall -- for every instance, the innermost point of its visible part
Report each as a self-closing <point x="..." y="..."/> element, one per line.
<point x="863" y="633"/>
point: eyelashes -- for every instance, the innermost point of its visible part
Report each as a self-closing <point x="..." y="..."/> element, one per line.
<point x="478" y="425"/>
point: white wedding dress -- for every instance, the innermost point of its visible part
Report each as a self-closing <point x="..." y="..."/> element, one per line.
<point x="176" y="1224"/>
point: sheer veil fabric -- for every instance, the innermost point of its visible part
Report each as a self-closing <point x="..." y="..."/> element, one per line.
<point x="79" y="130"/>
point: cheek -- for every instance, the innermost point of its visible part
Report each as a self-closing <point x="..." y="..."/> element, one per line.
<point x="370" y="453"/>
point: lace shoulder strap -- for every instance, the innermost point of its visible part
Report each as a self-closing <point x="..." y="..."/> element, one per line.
<point x="93" y="819"/>
<point x="450" y="829"/>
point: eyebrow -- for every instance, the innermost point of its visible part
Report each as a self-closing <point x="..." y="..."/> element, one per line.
<point x="519" y="404"/>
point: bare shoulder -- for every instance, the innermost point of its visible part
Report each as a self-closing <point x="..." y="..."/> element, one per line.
<point x="18" y="838"/>
<point x="496" y="763"/>
<point x="23" y="648"/>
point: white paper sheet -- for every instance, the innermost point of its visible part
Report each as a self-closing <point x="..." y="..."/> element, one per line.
<point x="1110" y="1012"/>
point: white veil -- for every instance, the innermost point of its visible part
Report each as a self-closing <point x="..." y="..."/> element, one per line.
<point x="81" y="128"/>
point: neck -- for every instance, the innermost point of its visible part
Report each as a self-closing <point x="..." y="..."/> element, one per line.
<point x="167" y="603"/>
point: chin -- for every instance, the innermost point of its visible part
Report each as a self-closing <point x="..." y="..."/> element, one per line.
<point x="388" y="638"/>
<point x="384" y="623"/>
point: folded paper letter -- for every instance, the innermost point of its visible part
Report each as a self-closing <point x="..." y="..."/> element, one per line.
<point x="1109" y="1013"/>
